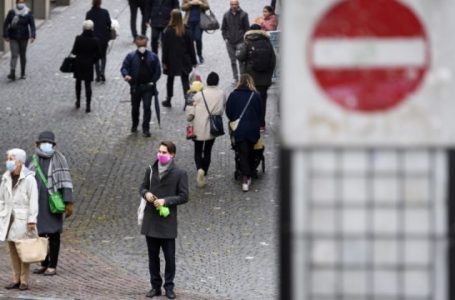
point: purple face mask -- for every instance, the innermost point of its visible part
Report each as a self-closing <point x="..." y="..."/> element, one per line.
<point x="164" y="159"/>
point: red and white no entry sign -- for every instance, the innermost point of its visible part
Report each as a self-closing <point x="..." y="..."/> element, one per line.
<point x="369" y="55"/>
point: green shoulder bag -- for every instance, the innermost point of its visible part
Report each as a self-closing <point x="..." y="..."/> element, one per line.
<point x="56" y="203"/>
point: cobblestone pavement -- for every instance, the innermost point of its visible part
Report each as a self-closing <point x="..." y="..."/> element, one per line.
<point x="227" y="245"/>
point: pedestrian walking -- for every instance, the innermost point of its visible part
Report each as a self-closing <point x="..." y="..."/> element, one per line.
<point x="192" y="19"/>
<point x="198" y="114"/>
<point x="52" y="165"/>
<point x="268" y="21"/>
<point x="87" y="50"/>
<point x="178" y="55"/>
<point x="235" y="24"/>
<point x="102" y="21"/>
<point x="165" y="186"/>
<point x="18" y="212"/>
<point x="245" y="103"/>
<point x="259" y="57"/>
<point x="141" y="69"/>
<point x="18" y="29"/>
<point x="158" y="14"/>
<point x="136" y="5"/>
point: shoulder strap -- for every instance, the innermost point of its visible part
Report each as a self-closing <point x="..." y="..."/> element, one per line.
<point x="39" y="170"/>
<point x="205" y="102"/>
<point x="246" y="106"/>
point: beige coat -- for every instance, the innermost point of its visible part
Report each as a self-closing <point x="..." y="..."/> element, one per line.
<point x="20" y="202"/>
<point x="186" y="7"/>
<point x="198" y="115"/>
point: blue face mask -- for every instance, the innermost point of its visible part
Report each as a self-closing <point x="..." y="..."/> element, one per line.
<point x="10" y="165"/>
<point x="47" y="148"/>
<point x="20" y="6"/>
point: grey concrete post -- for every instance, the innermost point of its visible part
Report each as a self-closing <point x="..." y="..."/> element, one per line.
<point x="41" y="9"/>
<point x="63" y="2"/>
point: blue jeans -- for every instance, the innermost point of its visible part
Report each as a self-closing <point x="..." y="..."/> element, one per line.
<point x="196" y="34"/>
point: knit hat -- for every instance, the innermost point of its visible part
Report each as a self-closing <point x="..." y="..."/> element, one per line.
<point x="46" y="136"/>
<point x="255" y="27"/>
<point x="213" y="79"/>
<point x="196" y="86"/>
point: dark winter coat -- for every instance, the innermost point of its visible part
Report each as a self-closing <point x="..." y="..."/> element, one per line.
<point x="178" y="53"/>
<point x="102" y="21"/>
<point x="132" y="62"/>
<point x="173" y="188"/>
<point x="24" y="29"/>
<point x="234" y="27"/>
<point x="249" y="126"/>
<point x="158" y="12"/>
<point x="260" y="78"/>
<point x="87" y="51"/>
<point x="47" y="221"/>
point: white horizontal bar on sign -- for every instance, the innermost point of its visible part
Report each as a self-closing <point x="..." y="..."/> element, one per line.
<point x="365" y="52"/>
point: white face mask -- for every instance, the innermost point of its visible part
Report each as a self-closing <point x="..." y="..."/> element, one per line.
<point x="142" y="49"/>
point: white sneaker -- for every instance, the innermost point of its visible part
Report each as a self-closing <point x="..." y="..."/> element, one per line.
<point x="200" y="178"/>
<point x="245" y="187"/>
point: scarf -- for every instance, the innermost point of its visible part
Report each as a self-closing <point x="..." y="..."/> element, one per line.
<point x="58" y="175"/>
<point x="162" y="169"/>
<point x="19" y="13"/>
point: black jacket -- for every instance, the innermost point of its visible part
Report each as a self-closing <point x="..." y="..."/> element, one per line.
<point x="24" y="29"/>
<point x="102" y="21"/>
<point x="178" y="53"/>
<point x="234" y="26"/>
<point x="244" y="54"/>
<point x="158" y="12"/>
<point x="132" y="63"/>
<point x="173" y="188"/>
<point x="249" y="126"/>
<point x="87" y="51"/>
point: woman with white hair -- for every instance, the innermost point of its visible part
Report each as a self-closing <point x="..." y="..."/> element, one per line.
<point x="87" y="51"/>
<point x="18" y="211"/>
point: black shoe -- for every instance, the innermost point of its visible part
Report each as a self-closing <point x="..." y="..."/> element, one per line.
<point x="170" y="294"/>
<point x="11" y="76"/>
<point x="87" y="109"/>
<point x="146" y="134"/>
<point x="12" y="285"/>
<point x="97" y="79"/>
<point x="201" y="60"/>
<point x="78" y="104"/>
<point x="166" y="103"/>
<point x="133" y="129"/>
<point x="40" y="270"/>
<point x="23" y="77"/>
<point x="103" y="78"/>
<point x="153" y="292"/>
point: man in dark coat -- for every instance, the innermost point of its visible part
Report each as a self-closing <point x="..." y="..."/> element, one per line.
<point x="158" y="14"/>
<point x="102" y="21"/>
<point x="235" y="24"/>
<point x="87" y="51"/>
<point x="141" y="69"/>
<point x="136" y="5"/>
<point x="50" y="225"/>
<point x="18" y="28"/>
<point x="164" y="185"/>
<point x="259" y="57"/>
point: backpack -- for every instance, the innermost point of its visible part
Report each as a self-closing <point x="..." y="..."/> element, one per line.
<point x="260" y="55"/>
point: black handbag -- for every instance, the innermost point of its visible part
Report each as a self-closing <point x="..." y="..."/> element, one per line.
<point x="209" y="21"/>
<point x="67" y="65"/>
<point x="216" y="121"/>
